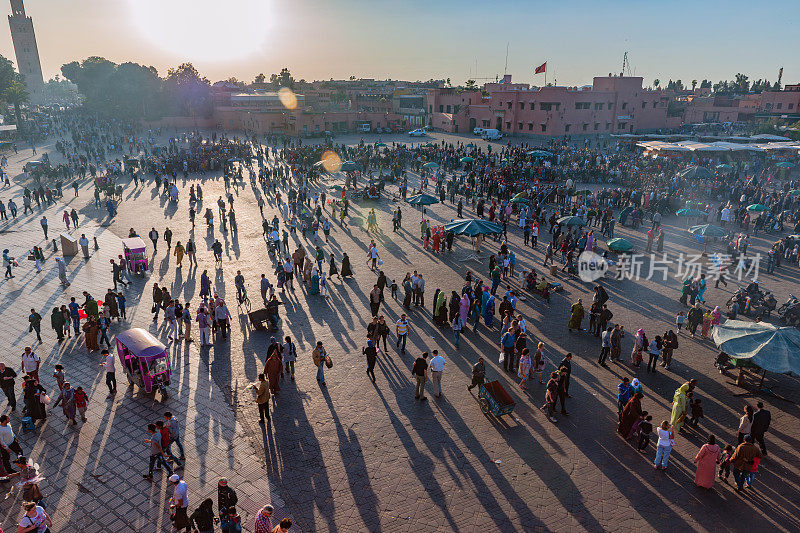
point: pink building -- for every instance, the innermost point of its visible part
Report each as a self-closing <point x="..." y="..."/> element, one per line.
<point x="611" y="104"/>
<point x="781" y="105"/>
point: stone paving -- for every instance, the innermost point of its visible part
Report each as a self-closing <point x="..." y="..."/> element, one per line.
<point x="358" y="456"/>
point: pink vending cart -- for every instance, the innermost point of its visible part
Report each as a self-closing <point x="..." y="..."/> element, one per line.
<point x="144" y="360"/>
<point x="134" y="249"/>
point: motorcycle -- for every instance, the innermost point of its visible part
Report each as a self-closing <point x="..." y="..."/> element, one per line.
<point x="789" y="312"/>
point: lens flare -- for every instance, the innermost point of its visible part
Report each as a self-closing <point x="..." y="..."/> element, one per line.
<point x="287" y="97"/>
<point x="331" y="161"/>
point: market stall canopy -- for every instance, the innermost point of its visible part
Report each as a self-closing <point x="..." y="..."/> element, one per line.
<point x="519" y="200"/>
<point x="775" y="349"/>
<point x="431" y="164"/>
<point x="724" y="166"/>
<point x="380" y="144"/>
<point x="785" y="164"/>
<point x="708" y="230"/>
<point x="539" y="153"/>
<point x="349" y="166"/>
<point x="619" y="245"/>
<point x="757" y="207"/>
<point x="423" y="199"/>
<point x="467" y="159"/>
<point x="472" y="227"/>
<point x="571" y="221"/>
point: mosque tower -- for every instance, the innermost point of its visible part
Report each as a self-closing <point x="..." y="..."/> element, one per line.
<point x="27" y="52"/>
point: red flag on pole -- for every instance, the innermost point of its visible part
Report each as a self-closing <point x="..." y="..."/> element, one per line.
<point x="541" y="68"/>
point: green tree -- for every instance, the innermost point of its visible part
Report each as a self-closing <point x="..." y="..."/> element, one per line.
<point x="470" y="85"/>
<point x="283" y="79"/>
<point x="705" y="84"/>
<point x="260" y="79"/>
<point x="742" y="85"/>
<point x="656" y="83"/>
<point x="7" y="73"/>
<point x="694" y="84"/>
<point x="188" y="91"/>
<point x="16" y="94"/>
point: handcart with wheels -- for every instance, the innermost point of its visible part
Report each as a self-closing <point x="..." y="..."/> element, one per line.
<point x="494" y="399"/>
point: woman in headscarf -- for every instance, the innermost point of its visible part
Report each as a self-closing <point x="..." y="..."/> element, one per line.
<point x="33" y="392"/>
<point x="273" y="368"/>
<point x="313" y="284"/>
<point x="307" y="269"/>
<point x="576" y="316"/>
<point x="679" y="403"/>
<point x="707" y="318"/>
<point x="706" y="460"/>
<point x="179" y="253"/>
<point x="435" y="302"/>
<point x="110" y="300"/>
<point x="716" y="316"/>
<point x="205" y="285"/>
<point x="57" y="323"/>
<point x="91" y="329"/>
<point x="463" y="310"/>
<point x="638" y="345"/>
<point x="630" y="414"/>
<point x="636" y="386"/>
<point x="347" y="271"/>
<point x="333" y="270"/>
<point x="488" y="308"/>
<point x="441" y="310"/>
<point x="454" y="305"/>
<point x="524" y="370"/>
<point x="67" y="401"/>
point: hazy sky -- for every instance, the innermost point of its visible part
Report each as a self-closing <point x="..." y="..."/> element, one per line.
<point x="419" y="40"/>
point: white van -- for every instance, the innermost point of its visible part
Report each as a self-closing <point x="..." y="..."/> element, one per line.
<point x="478" y="131"/>
<point x="364" y="128"/>
<point x="491" y="135"/>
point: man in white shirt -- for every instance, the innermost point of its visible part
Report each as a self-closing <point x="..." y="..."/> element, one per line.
<point x="109" y="363"/>
<point x="30" y="363"/>
<point x="437" y="367"/>
<point x="8" y="443"/>
<point x="180" y="501"/>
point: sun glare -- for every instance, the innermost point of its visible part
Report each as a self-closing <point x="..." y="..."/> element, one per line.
<point x="203" y="30"/>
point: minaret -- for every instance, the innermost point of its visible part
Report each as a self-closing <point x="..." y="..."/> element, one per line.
<point x="27" y="52"/>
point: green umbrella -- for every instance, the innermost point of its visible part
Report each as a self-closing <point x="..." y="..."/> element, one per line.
<point x="472" y="227"/>
<point x="380" y="144"/>
<point x="785" y="164"/>
<point x="519" y="200"/>
<point x="539" y="153"/>
<point x="571" y="221"/>
<point x="349" y="166"/>
<point x="695" y="172"/>
<point x="467" y="159"/>
<point x="724" y="166"/>
<point x="431" y="164"/>
<point x="690" y="213"/>
<point x="429" y="145"/>
<point x="708" y="230"/>
<point x="757" y="207"/>
<point x="619" y="245"/>
<point x="776" y="349"/>
<point x="520" y="195"/>
<point x="423" y="199"/>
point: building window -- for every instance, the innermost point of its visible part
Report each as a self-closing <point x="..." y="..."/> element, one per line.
<point x="598" y="107"/>
<point x="509" y="104"/>
<point x="644" y="104"/>
<point x="596" y="126"/>
<point x="519" y="126"/>
<point x="441" y="108"/>
<point x="624" y="105"/>
<point x="430" y="108"/>
<point x="544" y="128"/>
<point x="530" y="126"/>
<point x="621" y="126"/>
<point x="544" y="106"/>
<point x="508" y="125"/>
<point x="585" y="127"/>
<point x="608" y="125"/>
<point x="522" y="105"/>
<point x="448" y="109"/>
<point x="610" y="106"/>
<point x="791" y="106"/>
<point x="769" y="106"/>
<point x="566" y="128"/>
<point x="780" y="105"/>
<point x="455" y="109"/>
<point x="485" y="123"/>
<point x="582" y="105"/>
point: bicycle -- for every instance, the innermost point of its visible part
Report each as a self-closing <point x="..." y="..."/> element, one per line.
<point x="243" y="300"/>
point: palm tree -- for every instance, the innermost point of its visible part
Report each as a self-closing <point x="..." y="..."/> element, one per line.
<point x="16" y="94"/>
<point x="694" y="84"/>
<point x="656" y="83"/>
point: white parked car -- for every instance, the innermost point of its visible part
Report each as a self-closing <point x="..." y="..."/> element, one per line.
<point x="417" y="133"/>
<point x="478" y="131"/>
